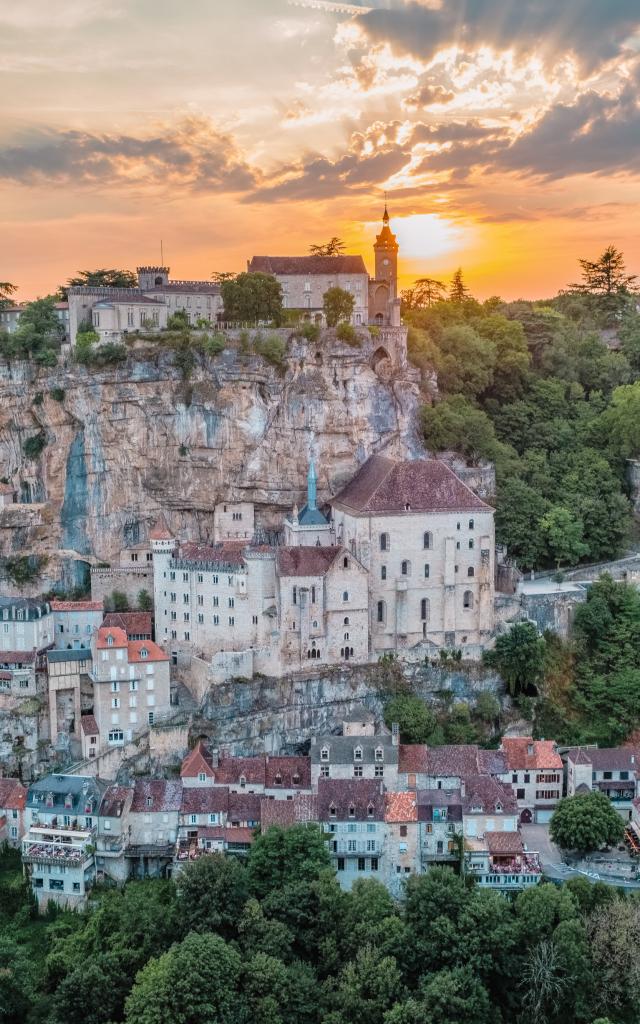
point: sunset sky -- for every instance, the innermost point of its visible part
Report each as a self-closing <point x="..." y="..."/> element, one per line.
<point x="506" y="132"/>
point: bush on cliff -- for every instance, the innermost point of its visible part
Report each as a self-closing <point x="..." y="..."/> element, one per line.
<point x="89" y="353"/>
<point x="273" y="349"/>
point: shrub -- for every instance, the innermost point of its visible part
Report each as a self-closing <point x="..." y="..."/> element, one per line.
<point x="374" y="331"/>
<point x="214" y="344"/>
<point x="24" y="568"/>
<point x="178" y="321"/>
<point x="46" y="357"/>
<point x="183" y="450"/>
<point x="347" y="333"/>
<point x="117" y="601"/>
<point x="273" y="349"/>
<point x="57" y="394"/>
<point x="145" y="602"/>
<point x="310" y="331"/>
<point x="34" y="445"/>
<point x="244" y="343"/>
<point x="38" y="398"/>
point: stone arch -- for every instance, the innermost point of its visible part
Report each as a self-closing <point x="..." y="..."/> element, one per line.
<point x="381" y="362"/>
<point x="158" y="280"/>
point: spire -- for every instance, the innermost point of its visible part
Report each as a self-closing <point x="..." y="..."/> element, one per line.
<point x="312" y="481"/>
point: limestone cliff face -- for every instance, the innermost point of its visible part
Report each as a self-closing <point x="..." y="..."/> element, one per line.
<point x="128" y="443"/>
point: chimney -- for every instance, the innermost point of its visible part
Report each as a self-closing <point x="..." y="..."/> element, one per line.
<point x="215" y="757"/>
<point x="395" y="734"/>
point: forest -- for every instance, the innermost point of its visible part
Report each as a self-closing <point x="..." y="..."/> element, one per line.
<point x="275" y="940"/>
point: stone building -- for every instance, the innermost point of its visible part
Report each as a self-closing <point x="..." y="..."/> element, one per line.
<point x="534" y="770"/>
<point x="153" y="826"/>
<point x="610" y="770"/>
<point x="13" y="799"/>
<point x="351" y="810"/>
<point x="359" y="753"/>
<point x="427" y="542"/>
<point x="112" y="834"/>
<point x="74" y="623"/>
<point x="68" y="677"/>
<point x="18" y="673"/>
<point x="401" y="851"/>
<point x="305" y="279"/>
<point x="131" y="685"/>
<point x="25" y="625"/>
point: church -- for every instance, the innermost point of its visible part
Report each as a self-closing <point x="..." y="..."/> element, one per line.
<point x="305" y="279"/>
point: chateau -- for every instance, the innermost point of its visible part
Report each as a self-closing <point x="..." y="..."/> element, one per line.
<point x="115" y="312"/>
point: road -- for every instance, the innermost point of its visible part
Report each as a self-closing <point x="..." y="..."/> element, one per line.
<point x="536" y="837"/>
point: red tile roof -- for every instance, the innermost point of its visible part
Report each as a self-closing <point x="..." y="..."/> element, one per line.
<point x="115" y="800"/>
<point x="118" y="638"/>
<point x="197" y="760"/>
<point x="307" y="265"/>
<point x="17" y="657"/>
<point x="205" y="799"/>
<point x="413" y="757"/>
<point x="305" y="561"/>
<point x="89" y="725"/>
<point x="133" y="623"/>
<point x="13" y="795"/>
<point x="288" y="772"/>
<point x="400" y="807"/>
<point x="238" y="835"/>
<point x="76" y="606"/>
<point x="418" y="485"/>
<point x="153" y="795"/>
<point x="504" y="842"/>
<point x="523" y="752"/>
<point x="344" y="794"/>
<point x="154" y="653"/>
<point x="160" y="531"/>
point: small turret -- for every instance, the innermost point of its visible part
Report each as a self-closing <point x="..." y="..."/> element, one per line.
<point x="312" y="486"/>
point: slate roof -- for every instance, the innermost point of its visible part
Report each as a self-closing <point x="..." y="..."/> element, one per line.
<point x="523" y="752"/>
<point x="504" y="842"/>
<point x="400" y="807"/>
<point x="603" y="759"/>
<point x="133" y="623"/>
<point x="61" y="786"/>
<point x="115" y="800"/>
<point x="418" y="485"/>
<point x="305" y="561"/>
<point x="13" y="795"/>
<point x="204" y="800"/>
<point x="483" y="794"/>
<point x="346" y="793"/>
<point x="89" y="725"/>
<point x="75" y="654"/>
<point x="311" y="517"/>
<point x="430" y="799"/>
<point x="341" y="749"/>
<point x="307" y="265"/>
<point x="164" y="795"/>
<point x="29" y="608"/>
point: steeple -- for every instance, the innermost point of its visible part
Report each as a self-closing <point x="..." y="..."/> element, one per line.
<point x="385" y="215"/>
<point x="312" y="482"/>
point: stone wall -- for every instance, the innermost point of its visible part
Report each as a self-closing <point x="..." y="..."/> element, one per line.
<point x="129" y="581"/>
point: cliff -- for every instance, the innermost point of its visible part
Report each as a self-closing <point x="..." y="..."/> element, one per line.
<point x="124" y="444"/>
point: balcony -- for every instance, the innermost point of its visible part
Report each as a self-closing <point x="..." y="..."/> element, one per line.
<point x="150" y="850"/>
<point x="56" y="853"/>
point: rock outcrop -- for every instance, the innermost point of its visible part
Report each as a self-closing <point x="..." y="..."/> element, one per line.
<point x="126" y="443"/>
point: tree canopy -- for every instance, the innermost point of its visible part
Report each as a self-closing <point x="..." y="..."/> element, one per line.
<point x="252" y="297"/>
<point x="98" y="279"/>
<point x="338" y="305"/>
<point x="334" y="247"/>
<point x="585" y="822"/>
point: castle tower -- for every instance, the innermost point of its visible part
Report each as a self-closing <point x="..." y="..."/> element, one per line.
<point x="152" y="277"/>
<point x="308" y="527"/>
<point x="386" y="256"/>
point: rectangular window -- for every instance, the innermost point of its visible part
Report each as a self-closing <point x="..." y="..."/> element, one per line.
<point x="374" y="863"/>
<point x="362" y="864"/>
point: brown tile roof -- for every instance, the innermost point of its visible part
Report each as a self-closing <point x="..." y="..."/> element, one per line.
<point x="343" y="794"/>
<point x="153" y="795"/>
<point x="292" y="772"/>
<point x="604" y="759"/>
<point x="307" y="265"/>
<point x="13" y="795"/>
<point x="114" y="801"/>
<point x="454" y="760"/>
<point x="413" y="757"/>
<point x="504" y="842"/>
<point x="89" y="725"/>
<point x="133" y="623"/>
<point x="491" y="762"/>
<point x="238" y="835"/>
<point x="197" y="760"/>
<point x="205" y="799"/>
<point x="302" y="808"/>
<point x="400" y="807"/>
<point x="483" y="794"/>
<point x="523" y="752"/>
<point x="244" y="807"/>
<point x="76" y="606"/>
<point x="17" y="657"/>
<point x="305" y="561"/>
<point x="231" y="769"/>
<point x="153" y="652"/>
<point x="418" y="485"/>
<point x="226" y="554"/>
<point x="118" y="638"/>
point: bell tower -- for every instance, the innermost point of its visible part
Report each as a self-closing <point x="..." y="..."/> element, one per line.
<point x="386" y="256"/>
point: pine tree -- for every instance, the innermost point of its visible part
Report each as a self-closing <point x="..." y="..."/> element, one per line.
<point x="458" y="290"/>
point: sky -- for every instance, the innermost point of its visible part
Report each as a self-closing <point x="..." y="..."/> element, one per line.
<point x="506" y="134"/>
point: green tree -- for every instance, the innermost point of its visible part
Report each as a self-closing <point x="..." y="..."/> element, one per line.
<point x="196" y="980"/>
<point x="6" y="291"/>
<point x="281" y="855"/>
<point x="519" y="657"/>
<point x="277" y="993"/>
<point x="17" y="983"/>
<point x="586" y="822"/>
<point x="98" y="279"/>
<point x="338" y="305"/>
<point x="334" y="247"/>
<point x="606" y="628"/>
<point x="458" y="290"/>
<point x="252" y="297"/>
<point x="367" y="987"/>
<point x="179" y="321"/>
<point x="211" y="893"/>
<point x="417" y="722"/>
<point x="564" y="535"/>
<point x="613" y="930"/>
<point x="466" y="361"/>
<point x="261" y="934"/>
<point x="425" y="293"/>
<point x="488" y="708"/>
<point x="607" y="275"/>
<point x="456" y="424"/>
<point x="455" y="996"/>
<point x="145" y="601"/>
<point x="518" y="516"/>
<point x="117" y="601"/>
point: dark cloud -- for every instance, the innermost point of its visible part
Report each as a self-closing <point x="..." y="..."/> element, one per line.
<point x="191" y="155"/>
<point x="593" y="31"/>
<point x="429" y="94"/>
<point x="316" y="177"/>
<point x="455" y="131"/>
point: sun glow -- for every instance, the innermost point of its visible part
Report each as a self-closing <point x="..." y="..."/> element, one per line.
<point x="426" y="236"/>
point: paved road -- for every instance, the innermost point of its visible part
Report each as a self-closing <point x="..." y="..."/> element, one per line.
<point x="536" y="837"/>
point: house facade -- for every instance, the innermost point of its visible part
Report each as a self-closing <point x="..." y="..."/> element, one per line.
<point x="13" y="799"/>
<point x="74" y="623"/>
<point x="25" y="625"/>
<point x="609" y="770"/>
<point x="351" y="811"/>
<point x="534" y="770"/>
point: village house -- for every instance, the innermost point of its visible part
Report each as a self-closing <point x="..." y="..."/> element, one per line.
<point x="113" y="834"/>
<point x="440" y="826"/>
<point x="610" y="770"/>
<point x="265" y="774"/>
<point x="18" y="673"/>
<point x="201" y="822"/>
<point x="534" y="770"/>
<point x="443" y="767"/>
<point x="69" y="690"/>
<point x="131" y="685"/>
<point x="137" y="625"/>
<point x="13" y="799"/>
<point x="89" y="736"/>
<point x="75" y="622"/>
<point x="352" y="812"/>
<point x="25" y="625"/>
<point x="401" y="844"/>
<point x="359" y="753"/>
<point x="58" y="848"/>
<point x="153" y="827"/>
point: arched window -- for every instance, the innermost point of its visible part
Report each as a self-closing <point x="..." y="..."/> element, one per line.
<point x="467" y="601"/>
<point x="427" y="541"/>
<point x="345" y="636"/>
<point x="471" y="524"/>
<point x="384" y="542"/>
<point x="427" y="570"/>
<point x="345" y="562"/>
<point x="382" y="611"/>
<point x="345" y="621"/>
<point x="383" y="572"/>
<point x="425" y="609"/>
<point x="157" y="281"/>
<point x="405" y="568"/>
<point x="370" y="811"/>
<point x="357" y="753"/>
<point x="351" y="652"/>
<point x="294" y="595"/>
<point x="471" y="571"/>
<point x="345" y="595"/>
